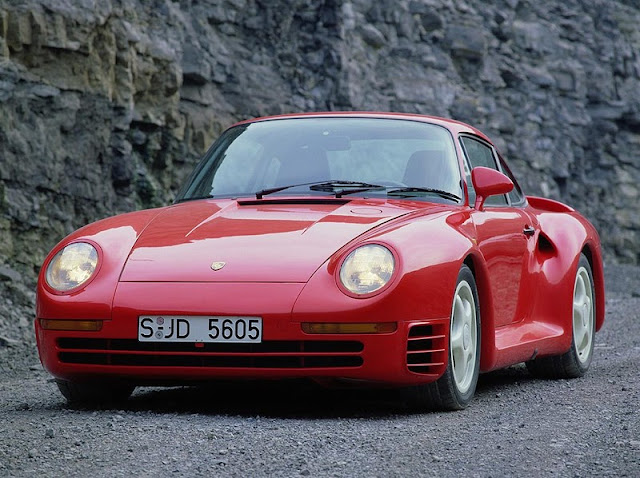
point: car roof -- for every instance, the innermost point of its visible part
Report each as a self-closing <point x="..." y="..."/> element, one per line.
<point x="454" y="126"/>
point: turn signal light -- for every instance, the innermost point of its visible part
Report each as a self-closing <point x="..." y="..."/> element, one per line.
<point x="349" y="328"/>
<point x="78" y="325"/>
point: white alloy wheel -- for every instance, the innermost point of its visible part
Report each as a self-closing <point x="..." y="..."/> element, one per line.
<point x="576" y="361"/>
<point x="464" y="337"/>
<point x="454" y="390"/>
<point x="583" y="315"/>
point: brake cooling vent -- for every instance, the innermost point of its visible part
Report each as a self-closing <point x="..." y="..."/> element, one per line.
<point x="427" y="348"/>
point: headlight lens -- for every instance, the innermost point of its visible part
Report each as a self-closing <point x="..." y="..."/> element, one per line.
<point x="367" y="269"/>
<point x="72" y="266"/>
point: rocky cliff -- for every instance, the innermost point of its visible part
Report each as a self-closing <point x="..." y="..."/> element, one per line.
<point x="105" y="105"/>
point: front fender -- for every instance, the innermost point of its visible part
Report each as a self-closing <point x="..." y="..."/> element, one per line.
<point x="430" y="252"/>
<point x="114" y="238"/>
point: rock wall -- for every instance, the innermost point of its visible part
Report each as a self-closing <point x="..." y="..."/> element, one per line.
<point x="105" y="105"/>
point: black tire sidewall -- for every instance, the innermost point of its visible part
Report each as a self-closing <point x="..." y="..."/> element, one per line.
<point x="466" y="275"/>
<point x="583" y="367"/>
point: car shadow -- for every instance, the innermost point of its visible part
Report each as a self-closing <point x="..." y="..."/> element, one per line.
<point x="506" y="380"/>
<point x="301" y="398"/>
<point x="281" y="399"/>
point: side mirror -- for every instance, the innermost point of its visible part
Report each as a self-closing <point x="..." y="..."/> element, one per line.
<point x="488" y="182"/>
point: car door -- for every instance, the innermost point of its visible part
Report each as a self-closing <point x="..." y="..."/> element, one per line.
<point x="504" y="233"/>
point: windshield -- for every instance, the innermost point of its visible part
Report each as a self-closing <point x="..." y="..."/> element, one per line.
<point x="410" y="157"/>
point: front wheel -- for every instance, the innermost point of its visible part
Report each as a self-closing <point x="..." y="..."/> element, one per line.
<point x="456" y="387"/>
<point x="576" y="361"/>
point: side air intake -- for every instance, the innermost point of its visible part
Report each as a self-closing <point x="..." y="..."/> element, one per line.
<point x="427" y="348"/>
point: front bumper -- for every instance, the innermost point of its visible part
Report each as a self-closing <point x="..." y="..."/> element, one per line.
<point x="415" y="353"/>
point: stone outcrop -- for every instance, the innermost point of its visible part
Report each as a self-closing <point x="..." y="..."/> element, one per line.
<point x="105" y="105"/>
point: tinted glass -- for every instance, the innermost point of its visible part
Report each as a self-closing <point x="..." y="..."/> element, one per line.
<point x="515" y="196"/>
<point x="479" y="154"/>
<point x="268" y="154"/>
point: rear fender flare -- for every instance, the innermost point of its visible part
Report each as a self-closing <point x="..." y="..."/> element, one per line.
<point x="569" y="235"/>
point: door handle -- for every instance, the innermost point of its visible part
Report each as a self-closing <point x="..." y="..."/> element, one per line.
<point x="529" y="231"/>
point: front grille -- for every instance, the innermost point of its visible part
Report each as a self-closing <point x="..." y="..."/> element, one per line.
<point x="268" y="354"/>
<point x="426" y="348"/>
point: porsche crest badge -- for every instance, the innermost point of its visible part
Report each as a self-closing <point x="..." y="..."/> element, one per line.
<point x="216" y="266"/>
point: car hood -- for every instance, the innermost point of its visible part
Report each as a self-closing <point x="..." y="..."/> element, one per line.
<point x="282" y="240"/>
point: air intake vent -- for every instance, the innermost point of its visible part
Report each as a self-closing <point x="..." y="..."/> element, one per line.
<point x="427" y="348"/>
<point x="268" y="354"/>
<point x="545" y="246"/>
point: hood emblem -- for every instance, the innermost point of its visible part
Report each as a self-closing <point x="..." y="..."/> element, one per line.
<point x="216" y="266"/>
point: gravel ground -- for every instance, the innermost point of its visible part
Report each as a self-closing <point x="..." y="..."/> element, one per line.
<point x="517" y="425"/>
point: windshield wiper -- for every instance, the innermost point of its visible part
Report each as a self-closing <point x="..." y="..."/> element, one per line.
<point x="266" y="192"/>
<point x="341" y="188"/>
<point x="338" y="187"/>
<point x="407" y="192"/>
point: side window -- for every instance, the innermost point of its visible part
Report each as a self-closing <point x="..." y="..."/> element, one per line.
<point x="515" y="196"/>
<point x="480" y="154"/>
<point x="470" y="190"/>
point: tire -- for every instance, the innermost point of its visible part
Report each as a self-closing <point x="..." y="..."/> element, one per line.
<point x="575" y="362"/>
<point x="94" y="393"/>
<point x="454" y="390"/>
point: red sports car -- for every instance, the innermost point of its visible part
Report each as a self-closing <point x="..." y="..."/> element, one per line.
<point x="372" y="248"/>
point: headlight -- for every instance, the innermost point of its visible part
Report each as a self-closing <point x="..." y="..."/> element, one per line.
<point x="72" y="266"/>
<point x="367" y="269"/>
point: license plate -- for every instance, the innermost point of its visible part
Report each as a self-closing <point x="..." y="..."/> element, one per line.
<point x="172" y="328"/>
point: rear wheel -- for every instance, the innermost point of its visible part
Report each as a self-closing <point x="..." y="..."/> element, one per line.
<point x="455" y="389"/>
<point x="576" y="361"/>
<point x="94" y="393"/>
